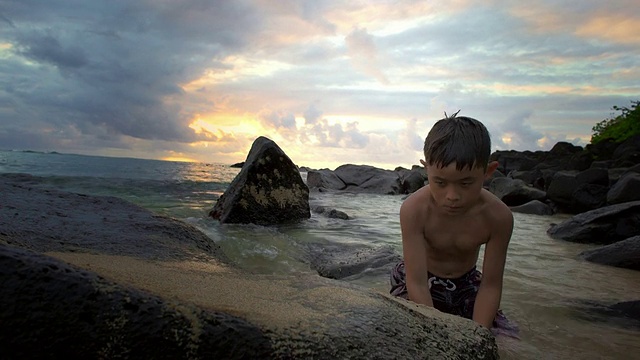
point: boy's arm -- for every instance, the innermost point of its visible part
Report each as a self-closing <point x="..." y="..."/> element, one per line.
<point x="495" y="255"/>
<point x="414" y="251"/>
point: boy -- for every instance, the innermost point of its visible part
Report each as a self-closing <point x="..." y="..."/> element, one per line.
<point x="445" y="222"/>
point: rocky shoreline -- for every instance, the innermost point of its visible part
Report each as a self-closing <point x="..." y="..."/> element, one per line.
<point x="97" y="277"/>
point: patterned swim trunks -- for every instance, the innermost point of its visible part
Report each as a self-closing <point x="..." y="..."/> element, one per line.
<point x="453" y="296"/>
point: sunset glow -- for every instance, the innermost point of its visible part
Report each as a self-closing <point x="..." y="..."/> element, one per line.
<point x="330" y="82"/>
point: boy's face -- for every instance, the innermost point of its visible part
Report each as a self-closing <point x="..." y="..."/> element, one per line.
<point x="455" y="191"/>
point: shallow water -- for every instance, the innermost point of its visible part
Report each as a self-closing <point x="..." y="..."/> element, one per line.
<point x="548" y="290"/>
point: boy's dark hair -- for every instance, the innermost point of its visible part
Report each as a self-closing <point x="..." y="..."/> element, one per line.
<point x="462" y="140"/>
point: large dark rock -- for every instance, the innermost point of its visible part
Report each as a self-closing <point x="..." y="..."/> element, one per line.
<point x="411" y="180"/>
<point x="44" y="219"/>
<point x="324" y="179"/>
<point x="268" y="190"/>
<point x="514" y="192"/>
<point x="331" y="213"/>
<point x="630" y="309"/>
<point x="342" y="261"/>
<point x="530" y="177"/>
<point x="533" y="207"/>
<point x="624" y="254"/>
<point x="605" y="225"/>
<point x="626" y="189"/>
<point x="627" y="154"/>
<point x="49" y="309"/>
<point x="589" y="197"/>
<point x="365" y="178"/>
<point x="561" y="188"/>
<point x="594" y="176"/>
<point x="513" y="160"/>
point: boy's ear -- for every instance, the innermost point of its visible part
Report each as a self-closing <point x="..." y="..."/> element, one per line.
<point x="424" y="163"/>
<point x="491" y="168"/>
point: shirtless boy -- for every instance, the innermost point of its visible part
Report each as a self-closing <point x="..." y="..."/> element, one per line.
<point x="445" y="223"/>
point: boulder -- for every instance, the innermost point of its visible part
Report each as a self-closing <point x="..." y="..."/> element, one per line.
<point x="595" y="176"/>
<point x="629" y="309"/>
<point x="496" y="174"/>
<point x="533" y="207"/>
<point x="44" y="219"/>
<point x="561" y="188"/>
<point x="513" y="160"/>
<point x="267" y="191"/>
<point x="627" y="154"/>
<point x="50" y="309"/>
<point x="605" y="225"/>
<point x="331" y="213"/>
<point x="624" y="254"/>
<point x="324" y="179"/>
<point x="589" y="197"/>
<point x="411" y="180"/>
<point x="530" y="177"/>
<point x="626" y="189"/>
<point x="365" y="178"/>
<point x="514" y="192"/>
<point x="342" y="261"/>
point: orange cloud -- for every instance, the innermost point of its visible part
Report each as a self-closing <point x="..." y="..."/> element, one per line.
<point x="618" y="28"/>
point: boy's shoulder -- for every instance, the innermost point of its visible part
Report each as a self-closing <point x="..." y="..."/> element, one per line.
<point x="495" y="210"/>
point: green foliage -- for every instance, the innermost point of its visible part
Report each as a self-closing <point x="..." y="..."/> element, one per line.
<point x="619" y="128"/>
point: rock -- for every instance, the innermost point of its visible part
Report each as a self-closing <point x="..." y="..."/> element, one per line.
<point x="627" y="154"/>
<point x="238" y="165"/>
<point x="605" y="164"/>
<point x="605" y="225"/>
<point x="589" y="197"/>
<point x="514" y="192"/>
<point x="331" y="213"/>
<point x="563" y="149"/>
<point x="49" y="309"/>
<point x="324" y="179"/>
<point x="626" y="189"/>
<point x="630" y="309"/>
<point x="365" y="178"/>
<point x="487" y="182"/>
<point x="561" y="188"/>
<point x="513" y="160"/>
<point x="624" y="254"/>
<point x="603" y="151"/>
<point x="529" y="177"/>
<point x="268" y="190"/>
<point x="595" y="176"/>
<point x="633" y="169"/>
<point x="44" y="219"/>
<point x="625" y="315"/>
<point x="342" y="261"/>
<point x="533" y="207"/>
<point x="411" y="180"/>
<point x="189" y="311"/>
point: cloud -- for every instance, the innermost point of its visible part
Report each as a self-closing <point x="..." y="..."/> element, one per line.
<point x="410" y="138"/>
<point x="364" y="54"/>
<point x="117" y="67"/>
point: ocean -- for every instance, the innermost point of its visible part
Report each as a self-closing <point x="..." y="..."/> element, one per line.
<point x="548" y="291"/>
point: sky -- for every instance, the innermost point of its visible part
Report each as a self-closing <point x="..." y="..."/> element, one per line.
<point x="331" y="82"/>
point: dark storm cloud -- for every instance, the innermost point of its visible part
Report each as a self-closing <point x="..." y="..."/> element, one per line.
<point x="114" y="67"/>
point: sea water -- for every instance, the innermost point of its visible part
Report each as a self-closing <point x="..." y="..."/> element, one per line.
<point x="548" y="291"/>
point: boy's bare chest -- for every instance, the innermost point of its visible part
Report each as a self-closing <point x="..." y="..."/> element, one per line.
<point x="456" y="236"/>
